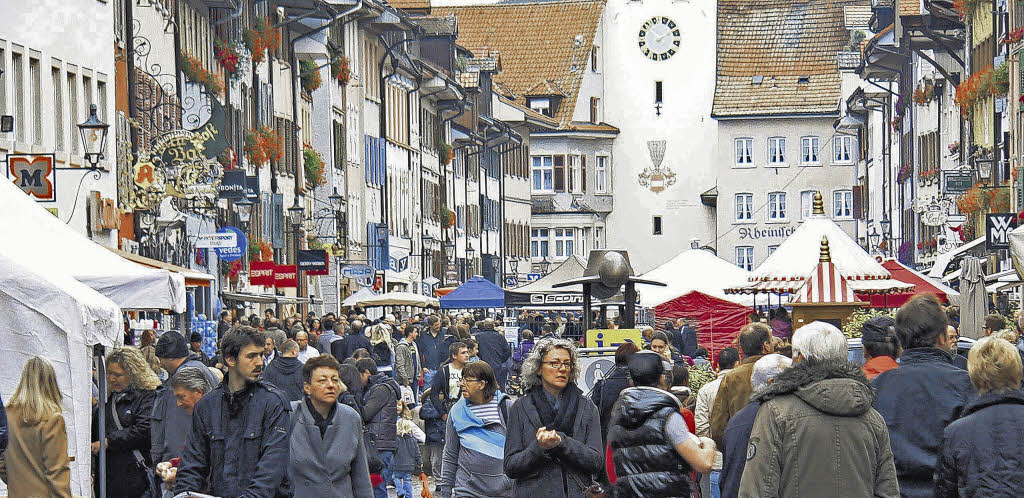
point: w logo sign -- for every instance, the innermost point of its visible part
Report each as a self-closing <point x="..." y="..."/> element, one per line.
<point x="997" y="226"/>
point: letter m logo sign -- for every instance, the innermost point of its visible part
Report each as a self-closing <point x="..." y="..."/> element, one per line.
<point x="34" y="175"/>
<point x="997" y="227"/>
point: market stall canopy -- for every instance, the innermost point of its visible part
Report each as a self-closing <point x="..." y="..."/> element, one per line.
<point x="477" y="292"/>
<point x="825" y="284"/>
<point x="36" y="238"/>
<point x="787" y="268"/>
<point x="193" y="278"/>
<point x="360" y="295"/>
<point x="942" y="261"/>
<point x="572" y="267"/>
<point x="399" y="299"/>
<point x="719" y="320"/>
<point x="49" y="314"/>
<point x="922" y="285"/>
<point x="694" y="269"/>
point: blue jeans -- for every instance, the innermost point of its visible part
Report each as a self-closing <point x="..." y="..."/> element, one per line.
<point x="428" y="378"/>
<point x="403" y="484"/>
<point x="716" y="478"/>
<point x="388" y="457"/>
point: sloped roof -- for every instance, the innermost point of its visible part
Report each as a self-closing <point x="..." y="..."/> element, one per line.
<point x="857" y="16"/>
<point x="538" y="41"/>
<point x="910" y="7"/>
<point x="410" y="4"/>
<point x="545" y="88"/>
<point x="571" y="268"/>
<point x="781" y="41"/>
<point x="437" y="25"/>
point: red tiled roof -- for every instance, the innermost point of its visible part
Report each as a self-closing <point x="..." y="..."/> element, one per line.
<point x="545" y="42"/>
<point x="780" y="41"/>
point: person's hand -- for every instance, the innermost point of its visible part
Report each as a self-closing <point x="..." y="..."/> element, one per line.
<point x="548" y="439"/>
<point x="444" y="417"/>
<point x="706" y="442"/>
<point x="96" y="448"/>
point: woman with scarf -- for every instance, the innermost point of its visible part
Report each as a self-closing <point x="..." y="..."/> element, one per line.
<point x="475" y="438"/>
<point x="553" y="444"/>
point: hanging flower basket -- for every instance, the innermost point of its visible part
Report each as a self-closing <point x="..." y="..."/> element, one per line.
<point x="954" y="148"/>
<point x="260" y="38"/>
<point x="979" y="86"/>
<point x="447" y="217"/>
<point x="924" y="94"/>
<point x="260" y="250"/>
<point x="964" y="8"/>
<point x="229" y="56"/>
<point x="906" y="171"/>
<point x="196" y="72"/>
<point x="314" y="165"/>
<point x="262" y="145"/>
<point x="309" y="76"/>
<point x="445" y="153"/>
<point x="340" y="70"/>
<point x="1013" y="36"/>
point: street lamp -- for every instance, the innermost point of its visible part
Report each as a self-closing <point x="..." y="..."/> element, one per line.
<point x="296" y="213"/>
<point x="984" y="169"/>
<point x="545" y="265"/>
<point x="514" y="266"/>
<point x="449" y="251"/>
<point x="470" y="252"/>
<point x="244" y="210"/>
<point x="337" y="201"/>
<point x="94" y="137"/>
<point x="873" y="238"/>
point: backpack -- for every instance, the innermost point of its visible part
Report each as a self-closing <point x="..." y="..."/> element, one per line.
<point x="381" y="354"/>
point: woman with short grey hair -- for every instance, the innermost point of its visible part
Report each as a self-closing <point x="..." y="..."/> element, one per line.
<point x="553" y="442"/>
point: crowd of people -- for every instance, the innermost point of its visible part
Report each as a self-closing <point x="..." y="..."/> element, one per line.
<point x="346" y="406"/>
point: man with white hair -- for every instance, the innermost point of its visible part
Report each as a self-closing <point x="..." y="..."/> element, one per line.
<point x="816" y="431"/>
<point x="737" y="433"/>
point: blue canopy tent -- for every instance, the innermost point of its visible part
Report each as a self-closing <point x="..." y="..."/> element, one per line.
<point x="477" y="292"/>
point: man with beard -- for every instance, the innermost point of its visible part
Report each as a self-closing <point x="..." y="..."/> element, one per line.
<point x="240" y="431"/>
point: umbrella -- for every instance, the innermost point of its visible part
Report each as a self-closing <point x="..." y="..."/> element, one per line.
<point x="360" y="295"/>
<point x="974" y="299"/>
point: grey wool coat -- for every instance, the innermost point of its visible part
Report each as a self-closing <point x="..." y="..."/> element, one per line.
<point x="334" y="465"/>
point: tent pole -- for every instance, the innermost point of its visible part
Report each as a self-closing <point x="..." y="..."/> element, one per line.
<point x="98" y="355"/>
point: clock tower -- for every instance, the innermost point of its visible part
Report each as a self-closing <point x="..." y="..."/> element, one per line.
<point x="659" y="84"/>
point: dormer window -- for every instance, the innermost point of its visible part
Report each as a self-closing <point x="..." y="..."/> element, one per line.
<point x="541" y="105"/>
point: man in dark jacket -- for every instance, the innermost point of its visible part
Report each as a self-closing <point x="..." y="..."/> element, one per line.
<point x="921" y="397"/>
<point x="815" y="433"/>
<point x="285" y="372"/>
<point x="734" y="391"/>
<point x="494" y="349"/>
<point x="171" y="424"/>
<point x="240" y="431"/>
<point x="653" y="450"/>
<point x="688" y="338"/>
<point x="355" y="339"/>
<point x="380" y="414"/>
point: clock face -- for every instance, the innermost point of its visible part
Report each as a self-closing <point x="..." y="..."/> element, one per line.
<point x="659" y="38"/>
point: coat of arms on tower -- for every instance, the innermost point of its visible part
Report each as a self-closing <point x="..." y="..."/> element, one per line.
<point x="657" y="178"/>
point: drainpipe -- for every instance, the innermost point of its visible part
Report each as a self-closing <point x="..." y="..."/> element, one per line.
<point x="234" y="15"/>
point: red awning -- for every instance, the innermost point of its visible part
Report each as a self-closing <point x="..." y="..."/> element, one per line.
<point x="899" y="272"/>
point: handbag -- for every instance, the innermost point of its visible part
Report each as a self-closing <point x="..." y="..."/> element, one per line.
<point x="373" y="459"/>
<point x="594" y="490"/>
<point x="151" y="486"/>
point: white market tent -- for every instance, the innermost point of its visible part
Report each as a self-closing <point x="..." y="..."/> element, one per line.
<point x="399" y="299"/>
<point x="35" y="238"/>
<point x="44" y="313"/>
<point x="694" y="270"/>
<point x="360" y="295"/>
<point x="570" y="269"/>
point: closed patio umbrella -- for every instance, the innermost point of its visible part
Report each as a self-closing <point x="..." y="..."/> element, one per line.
<point x="974" y="299"/>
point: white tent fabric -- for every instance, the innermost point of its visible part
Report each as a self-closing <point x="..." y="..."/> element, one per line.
<point x="361" y="294"/>
<point x="694" y="270"/>
<point x="799" y="253"/>
<point x="44" y="241"/>
<point x="569" y="269"/>
<point x="400" y="299"/>
<point x="44" y="313"/>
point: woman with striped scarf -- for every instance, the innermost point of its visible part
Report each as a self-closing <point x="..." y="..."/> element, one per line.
<point x="474" y="443"/>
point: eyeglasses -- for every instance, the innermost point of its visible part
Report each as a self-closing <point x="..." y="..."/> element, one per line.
<point x="469" y="379"/>
<point x="559" y="364"/>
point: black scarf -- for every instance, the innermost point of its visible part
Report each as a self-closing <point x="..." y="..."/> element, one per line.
<point x="562" y="422"/>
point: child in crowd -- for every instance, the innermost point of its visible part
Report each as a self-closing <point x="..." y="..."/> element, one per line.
<point x="407" y="456"/>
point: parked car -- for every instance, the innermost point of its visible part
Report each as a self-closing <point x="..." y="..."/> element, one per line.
<point x="855" y="351"/>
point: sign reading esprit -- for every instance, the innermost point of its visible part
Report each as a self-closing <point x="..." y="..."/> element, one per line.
<point x="261" y="273"/>
<point x="286" y="276"/>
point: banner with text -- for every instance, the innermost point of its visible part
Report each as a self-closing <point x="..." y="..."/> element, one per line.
<point x="286" y="276"/>
<point x="261" y="273"/>
<point x="313" y="261"/>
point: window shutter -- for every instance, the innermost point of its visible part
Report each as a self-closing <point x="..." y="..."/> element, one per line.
<point x="858" y="202"/>
<point x="583" y="174"/>
<point x="559" y="162"/>
<point x="277" y="218"/>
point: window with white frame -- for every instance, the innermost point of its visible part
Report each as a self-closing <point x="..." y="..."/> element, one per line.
<point x="539" y="242"/>
<point x="777" y="151"/>
<point x="543" y="174"/>
<point x="842" y="149"/>
<point x="36" y="84"/>
<point x="564" y="238"/>
<point x="602" y="174"/>
<point x="809" y="147"/>
<point x="18" y="75"/>
<point x="745" y="257"/>
<point x="744" y="151"/>
<point x="776" y="206"/>
<point x="806" y="204"/>
<point x="598" y="235"/>
<point x="575" y="174"/>
<point x="58" y="108"/>
<point x="842" y="204"/>
<point x="744" y="207"/>
<point x="771" y="250"/>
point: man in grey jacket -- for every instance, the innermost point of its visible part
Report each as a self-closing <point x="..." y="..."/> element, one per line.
<point x="407" y="360"/>
<point x="171" y="424"/>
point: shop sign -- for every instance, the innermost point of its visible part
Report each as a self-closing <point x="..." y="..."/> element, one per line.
<point x="933" y="211"/>
<point x="362" y="274"/>
<point x="286" y="276"/>
<point x="313" y="262"/>
<point x="252" y="188"/>
<point x="997" y="227"/>
<point x="261" y="273"/>
<point x="957" y="182"/>
<point x="556" y="298"/>
<point x="532" y="277"/>
<point x="511" y="281"/>
<point x="755" y="233"/>
<point x="235" y="252"/>
<point x="34" y="175"/>
<point x="103" y="213"/>
<point x="398" y="256"/>
<point x="219" y="240"/>
<point x="232" y="185"/>
<point x="181" y="163"/>
<point x="613" y="338"/>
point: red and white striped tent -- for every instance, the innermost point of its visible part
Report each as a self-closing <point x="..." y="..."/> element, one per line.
<point x="825" y="285"/>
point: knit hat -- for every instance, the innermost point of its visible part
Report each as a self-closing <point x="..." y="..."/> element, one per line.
<point x="195" y="337"/>
<point x="171" y="345"/>
<point x="877" y="329"/>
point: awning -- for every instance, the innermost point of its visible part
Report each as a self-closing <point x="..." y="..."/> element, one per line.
<point x="942" y="260"/>
<point x="192" y="278"/>
<point x="250" y="298"/>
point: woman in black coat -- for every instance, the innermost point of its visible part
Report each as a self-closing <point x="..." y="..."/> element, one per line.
<point x="132" y="387"/>
<point x="553" y="444"/>
<point x="982" y="453"/>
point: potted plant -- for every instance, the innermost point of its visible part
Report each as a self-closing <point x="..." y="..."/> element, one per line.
<point x="445" y="153"/>
<point x="309" y="76"/>
<point x="260" y="38"/>
<point x="263" y="144"/>
<point x="196" y="72"/>
<point x="229" y="57"/>
<point x="314" y="166"/>
<point x="340" y="69"/>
